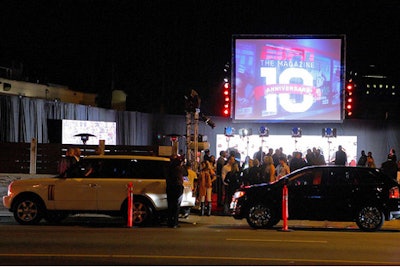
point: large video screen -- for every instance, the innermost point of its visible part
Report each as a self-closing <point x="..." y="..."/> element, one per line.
<point x="102" y="130"/>
<point x="288" y="78"/>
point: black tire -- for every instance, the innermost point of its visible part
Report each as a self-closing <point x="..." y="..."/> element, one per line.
<point x="28" y="210"/>
<point x="55" y="217"/>
<point x="370" y="218"/>
<point x="142" y="212"/>
<point x="261" y="216"/>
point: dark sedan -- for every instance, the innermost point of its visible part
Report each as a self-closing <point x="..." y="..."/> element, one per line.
<point x="334" y="193"/>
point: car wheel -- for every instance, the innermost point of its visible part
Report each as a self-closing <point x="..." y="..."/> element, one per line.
<point x="142" y="212"/>
<point x="370" y="218"/>
<point x="55" y="217"/>
<point x="261" y="216"/>
<point x="28" y="210"/>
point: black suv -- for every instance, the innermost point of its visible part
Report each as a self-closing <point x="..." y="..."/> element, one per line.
<point x="334" y="193"/>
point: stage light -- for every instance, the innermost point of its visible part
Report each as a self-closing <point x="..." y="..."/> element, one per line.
<point x="264" y="131"/>
<point x="328" y="132"/>
<point x="349" y="98"/>
<point x="296" y="132"/>
<point x="227" y="98"/>
<point x="229" y="131"/>
<point x="207" y="120"/>
<point x="243" y="132"/>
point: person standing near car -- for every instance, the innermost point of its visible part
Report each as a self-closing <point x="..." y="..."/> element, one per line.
<point x="233" y="180"/>
<point x="370" y="160"/>
<point x="66" y="162"/>
<point x="267" y="170"/>
<point x="340" y="157"/>
<point x="225" y="170"/>
<point x="389" y="167"/>
<point x="206" y="178"/>
<point x="283" y="167"/>
<point x="362" y="161"/>
<point x="174" y="189"/>
<point x="220" y="186"/>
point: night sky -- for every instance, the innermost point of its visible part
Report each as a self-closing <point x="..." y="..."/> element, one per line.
<point x="156" y="51"/>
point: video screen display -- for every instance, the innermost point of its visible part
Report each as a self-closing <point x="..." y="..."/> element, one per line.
<point x="288" y="78"/>
<point x="102" y="130"/>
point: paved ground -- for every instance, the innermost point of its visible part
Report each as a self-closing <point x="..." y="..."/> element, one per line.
<point x="6" y="178"/>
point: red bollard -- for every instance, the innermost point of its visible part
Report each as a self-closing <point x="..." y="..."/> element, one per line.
<point x="285" y="208"/>
<point x="130" y="201"/>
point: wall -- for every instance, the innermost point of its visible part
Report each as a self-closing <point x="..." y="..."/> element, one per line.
<point x="23" y="118"/>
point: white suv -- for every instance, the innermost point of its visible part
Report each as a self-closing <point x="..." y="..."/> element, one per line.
<point x="103" y="191"/>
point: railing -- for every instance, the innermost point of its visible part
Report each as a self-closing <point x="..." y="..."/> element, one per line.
<point x="15" y="157"/>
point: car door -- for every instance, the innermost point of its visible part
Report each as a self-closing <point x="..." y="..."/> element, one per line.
<point x="305" y="198"/>
<point x="339" y="193"/>
<point x="112" y="179"/>
<point x="74" y="193"/>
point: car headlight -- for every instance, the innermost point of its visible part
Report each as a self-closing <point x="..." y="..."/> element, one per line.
<point x="239" y="194"/>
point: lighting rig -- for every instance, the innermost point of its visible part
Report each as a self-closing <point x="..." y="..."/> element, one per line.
<point x="329" y="133"/>
<point x="296" y="133"/>
<point x="193" y="114"/>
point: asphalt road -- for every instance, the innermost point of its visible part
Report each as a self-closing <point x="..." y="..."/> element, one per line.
<point x="214" y="240"/>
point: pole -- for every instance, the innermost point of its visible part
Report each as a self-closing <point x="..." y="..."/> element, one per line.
<point x="130" y="201"/>
<point x="33" y="156"/>
<point x="196" y="135"/>
<point x="188" y="136"/>
<point x="285" y="209"/>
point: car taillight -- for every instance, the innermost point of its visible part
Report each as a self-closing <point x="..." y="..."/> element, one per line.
<point x="394" y="192"/>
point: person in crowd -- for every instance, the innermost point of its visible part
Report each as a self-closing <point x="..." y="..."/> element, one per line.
<point x="260" y="154"/>
<point x="233" y="181"/>
<point x="191" y="175"/>
<point x="254" y="173"/>
<point x="282" y="168"/>
<point x="370" y="160"/>
<point x="212" y="161"/>
<point x="297" y="161"/>
<point x="281" y="153"/>
<point x="77" y="154"/>
<point x="340" y="156"/>
<point x="66" y="162"/>
<point x="275" y="157"/>
<point x="174" y="189"/>
<point x="212" y="164"/>
<point x="76" y="168"/>
<point x="227" y="167"/>
<point x="310" y="157"/>
<point x="389" y="167"/>
<point x="319" y="159"/>
<point x="206" y="178"/>
<point x="267" y="170"/>
<point x="362" y="161"/>
<point x="270" y="152"/>
<point x="221" y="161"/>
<point x="225" y="170"/>
<point x="245" y="163"/>
<point x="392" y="152"/>
<point x="246" y="171"/>
<point x="207" y="155"/>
